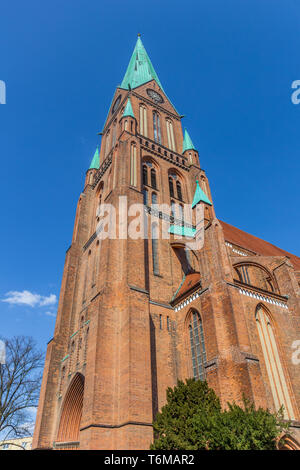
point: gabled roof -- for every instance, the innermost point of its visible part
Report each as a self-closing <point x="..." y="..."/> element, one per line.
<point x="187" y="142"/>
<point x="200" y="196"/>
<point x="128" y="111"/>
<point x="259" y="246"/>
<point x="95" y="163"/>
<point x="188" y="283"/>
<point x="140" y="69"/>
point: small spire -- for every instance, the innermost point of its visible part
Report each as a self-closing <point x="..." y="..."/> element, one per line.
<point x="187" y="142"/>
<point x="128" y="111"/>
<point x="200" y="196"/>
<point x="95" y="163"/>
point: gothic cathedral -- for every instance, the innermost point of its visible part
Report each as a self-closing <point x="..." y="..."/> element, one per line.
<point x="138" y="313"/>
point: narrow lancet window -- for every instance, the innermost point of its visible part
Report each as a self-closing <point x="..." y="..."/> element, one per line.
<point x="133" y="173"/>
<point x="198" y="352"/>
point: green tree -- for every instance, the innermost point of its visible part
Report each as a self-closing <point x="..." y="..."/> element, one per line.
<point x="193" y="419"/>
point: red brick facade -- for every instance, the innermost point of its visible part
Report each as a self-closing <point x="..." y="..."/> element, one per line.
<point x="122" y="333"/>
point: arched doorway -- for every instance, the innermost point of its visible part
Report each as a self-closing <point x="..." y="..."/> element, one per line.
<point x="71" y="412"/>
<point x="287" y="442"/>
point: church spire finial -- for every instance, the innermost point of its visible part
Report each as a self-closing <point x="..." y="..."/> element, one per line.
<point x="187" y="142"/>
<point x="140" y="69"/>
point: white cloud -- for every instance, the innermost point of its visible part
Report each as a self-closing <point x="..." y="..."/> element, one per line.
<point x="51" y="300"/>
<point x="51" y="314"/>
<point x="28" y="298"/>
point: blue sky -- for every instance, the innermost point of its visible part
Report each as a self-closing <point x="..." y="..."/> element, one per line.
<point x="227" y="66"/>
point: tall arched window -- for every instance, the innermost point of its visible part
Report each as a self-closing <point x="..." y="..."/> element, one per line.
<point x="204" y="187"/>
<point x="125" y="125"/>
<point x="273" y="364"/>
<point x="198" y="352"/>
<point x="143" y="120"/>
<point x="153" y="178"/>
<point x="145" y="175"/>
<point x="171" y="187"/>
<point x="86" y="273"/>
<point x="170" y="134"/>
<point x="156" y="127"/>
<point x="154" y="237"/>
<point x="179" y="192"/>
<point x="133" y="174"/>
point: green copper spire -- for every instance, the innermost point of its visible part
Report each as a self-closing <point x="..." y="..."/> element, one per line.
<point x="96" y="161"/>
<point x="200" y="196"/>
<point x="128" y="111"/>
<point x="140" y="69"/>
<point x="187" y="142"/>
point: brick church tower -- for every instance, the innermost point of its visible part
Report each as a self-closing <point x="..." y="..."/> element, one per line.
<point x="138" y="313"/>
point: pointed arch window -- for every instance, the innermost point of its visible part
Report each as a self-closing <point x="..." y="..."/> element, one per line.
<point x="197" y="345"/>
<point x="153" y="178"/>
<point x="143" y="121"/>
<point x="171" y="187"/>
<point x="170" y="134"/>
<point x="133" y="173"/>
<point x="179" y="192"/>
<point x="204" y="187"/>
<point x="145" y="175"/>
<point x="154" y="237"/>
<point x="156" y="127"/>
<point x="273" y="364"/>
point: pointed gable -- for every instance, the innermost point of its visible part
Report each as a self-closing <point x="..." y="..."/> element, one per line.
<point x="128" y="111"/>
<point x="200" y="196"/>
